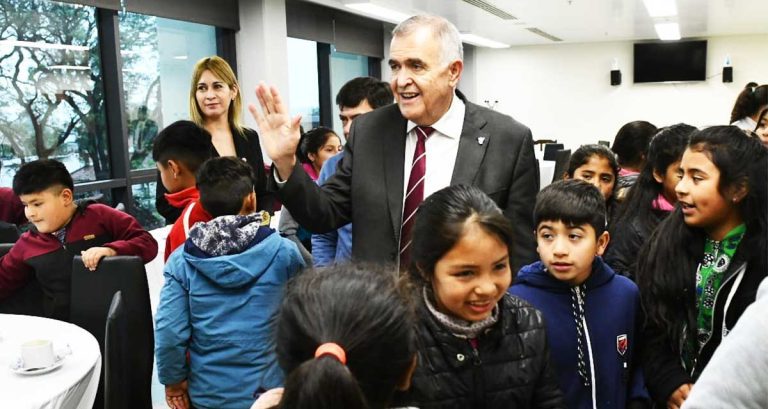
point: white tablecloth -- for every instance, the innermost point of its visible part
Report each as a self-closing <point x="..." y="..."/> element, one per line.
<point x="73" y="385"/>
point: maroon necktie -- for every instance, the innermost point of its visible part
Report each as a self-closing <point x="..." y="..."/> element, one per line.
<point x="415" y="193"/>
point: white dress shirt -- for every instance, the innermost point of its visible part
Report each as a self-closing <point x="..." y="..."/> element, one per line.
<point x="441" y="148"/>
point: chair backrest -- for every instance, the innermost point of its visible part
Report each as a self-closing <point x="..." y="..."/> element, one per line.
<point x="116" y="358"/>
<point x="92" y="293"/>
<point x="9" y="233"/>
<point x="604" y="143"/>
<point x="561" y="163"/>
<point x="28" y="300"/>
<point x="543" y="142"/>
<point x="551" y="149"/>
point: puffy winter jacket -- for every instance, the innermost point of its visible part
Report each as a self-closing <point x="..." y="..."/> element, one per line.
<point x="509" y="368"/>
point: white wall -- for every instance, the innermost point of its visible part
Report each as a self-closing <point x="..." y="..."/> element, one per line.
<point x="563" y="91"/>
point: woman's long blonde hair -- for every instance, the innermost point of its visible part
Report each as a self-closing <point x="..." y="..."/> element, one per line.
<point x="221" y="69"/>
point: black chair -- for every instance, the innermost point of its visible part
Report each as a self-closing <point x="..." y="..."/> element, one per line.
<point x="551" y="149"/>
<point x="92" y="293"/>
<point x="562" y="157"/>
<point x="604" y="143"/>
<point x="9" y="233"/>
<point x="28" y="300"/>
<point x="543" y="142"/>
<point x="116" y="360"/>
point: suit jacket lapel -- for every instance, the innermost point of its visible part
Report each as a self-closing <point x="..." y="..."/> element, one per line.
<point x="472" y="145"/>
<point x="393" y="145"/>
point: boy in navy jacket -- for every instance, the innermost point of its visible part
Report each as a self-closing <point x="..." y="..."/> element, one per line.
<point x="591" y="313"/>
<point x="63" y="229"/>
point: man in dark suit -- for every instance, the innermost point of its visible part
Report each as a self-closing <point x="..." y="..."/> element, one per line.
<point x="401" y="153"/>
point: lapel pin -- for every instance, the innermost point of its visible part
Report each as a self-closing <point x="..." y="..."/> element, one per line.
<point x="480" y="140"/>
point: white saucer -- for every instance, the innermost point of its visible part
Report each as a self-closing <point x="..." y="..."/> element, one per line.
<point x="18" y="369"/>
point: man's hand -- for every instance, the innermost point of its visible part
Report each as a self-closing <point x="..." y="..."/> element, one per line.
<point x="177" y="395"/>
<point x="93" y="255"/>
<point x="679" y="396"/>
<point x="279" y="133"/>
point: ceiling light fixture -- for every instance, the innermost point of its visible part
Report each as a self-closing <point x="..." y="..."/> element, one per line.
<point x="481" y="41"/>
<point x="668" y="31"/>
<point x="661" y="8"/>
<point x="379" y="12"/>
<point x="31" y="44"/>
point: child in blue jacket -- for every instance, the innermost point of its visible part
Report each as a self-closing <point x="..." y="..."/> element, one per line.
<point x="591" y="313"/>
<point x="221" y="296"/>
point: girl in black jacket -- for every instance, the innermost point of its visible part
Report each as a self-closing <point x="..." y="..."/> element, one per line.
<point x="650" y="200"/>
<point x="701" y="267"/>
<point x="478" y="346"/>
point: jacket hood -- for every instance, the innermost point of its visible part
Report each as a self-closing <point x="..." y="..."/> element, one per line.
<point x="536" y="275"/>
<point x="181" y="198"/>
<point x="232" y="251"/>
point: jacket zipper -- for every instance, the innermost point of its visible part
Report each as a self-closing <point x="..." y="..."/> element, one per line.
<point x="477" y="374"/>
<point x="593" y="385"/>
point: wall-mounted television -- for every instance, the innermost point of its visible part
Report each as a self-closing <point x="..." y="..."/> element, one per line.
<point x="671" y="61"/>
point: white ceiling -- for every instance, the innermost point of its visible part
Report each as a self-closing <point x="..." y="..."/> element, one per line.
<point x="579" y="21"/>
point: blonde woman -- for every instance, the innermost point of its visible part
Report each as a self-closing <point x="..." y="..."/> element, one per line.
<point x="215" y="104"/>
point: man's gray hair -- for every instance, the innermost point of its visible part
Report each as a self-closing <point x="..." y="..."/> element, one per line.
<point x="443" y="30"/>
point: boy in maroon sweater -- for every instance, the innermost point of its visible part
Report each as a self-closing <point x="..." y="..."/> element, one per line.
<point x="63" y="229"/>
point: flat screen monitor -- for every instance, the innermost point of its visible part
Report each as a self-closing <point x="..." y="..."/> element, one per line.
<point x="671" y="61"/>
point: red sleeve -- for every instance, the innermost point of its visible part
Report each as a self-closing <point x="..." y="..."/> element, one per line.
<point x="130" y="238"/>
<point x="14" y="272"/>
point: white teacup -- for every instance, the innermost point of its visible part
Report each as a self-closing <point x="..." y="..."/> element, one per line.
<point x="37" y="353"/>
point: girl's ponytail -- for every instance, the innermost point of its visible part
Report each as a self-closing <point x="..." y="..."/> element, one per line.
<point x="320" y="383"/>
<point x="345" y="338"/>
<point x="749" y="101"/>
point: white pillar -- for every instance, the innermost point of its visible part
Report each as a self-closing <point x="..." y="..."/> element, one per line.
<point x="261" y="50"/>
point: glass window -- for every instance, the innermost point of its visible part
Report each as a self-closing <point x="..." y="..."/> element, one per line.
<point x="344" y="67"/>
<point x="144" y="206"/>
<point x="52" y="104"/>
<point x="304" y="94"/>
<point x="158" y="57"/>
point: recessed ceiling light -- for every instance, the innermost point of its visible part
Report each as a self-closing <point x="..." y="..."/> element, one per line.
<point x="382" y="13"/>
<point x="482" y="41"/>
<point x="661" y="8"/>
<point x="668" y="31"/>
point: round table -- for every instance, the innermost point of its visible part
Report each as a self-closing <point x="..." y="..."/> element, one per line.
<point x="73" y="385"/>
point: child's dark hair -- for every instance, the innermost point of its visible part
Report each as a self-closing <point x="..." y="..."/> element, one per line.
<point x="368" y="312"/>
<point x="185" y="142"/>
<point x="41" y="174"/>
<point x="441" y="221"/>
<point x="573" y="202"/>
<point x="223" y="184"/>
<point x="586" y="152"/>
<point x="666" y="148"/>
<point x="312" y="140"/>
<point x="750" y="100"/>
<point x="666" y="269"/>
<point x="356" y="90"/>
<point x="631" y="142"/>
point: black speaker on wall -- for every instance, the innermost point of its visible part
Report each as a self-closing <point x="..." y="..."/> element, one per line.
<point x="615" y="77"/>
<point x="727" y="74"/>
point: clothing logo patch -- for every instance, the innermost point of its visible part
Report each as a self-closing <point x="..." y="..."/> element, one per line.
<point x="89" y="237"/>
<point x="622" y="344"/>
